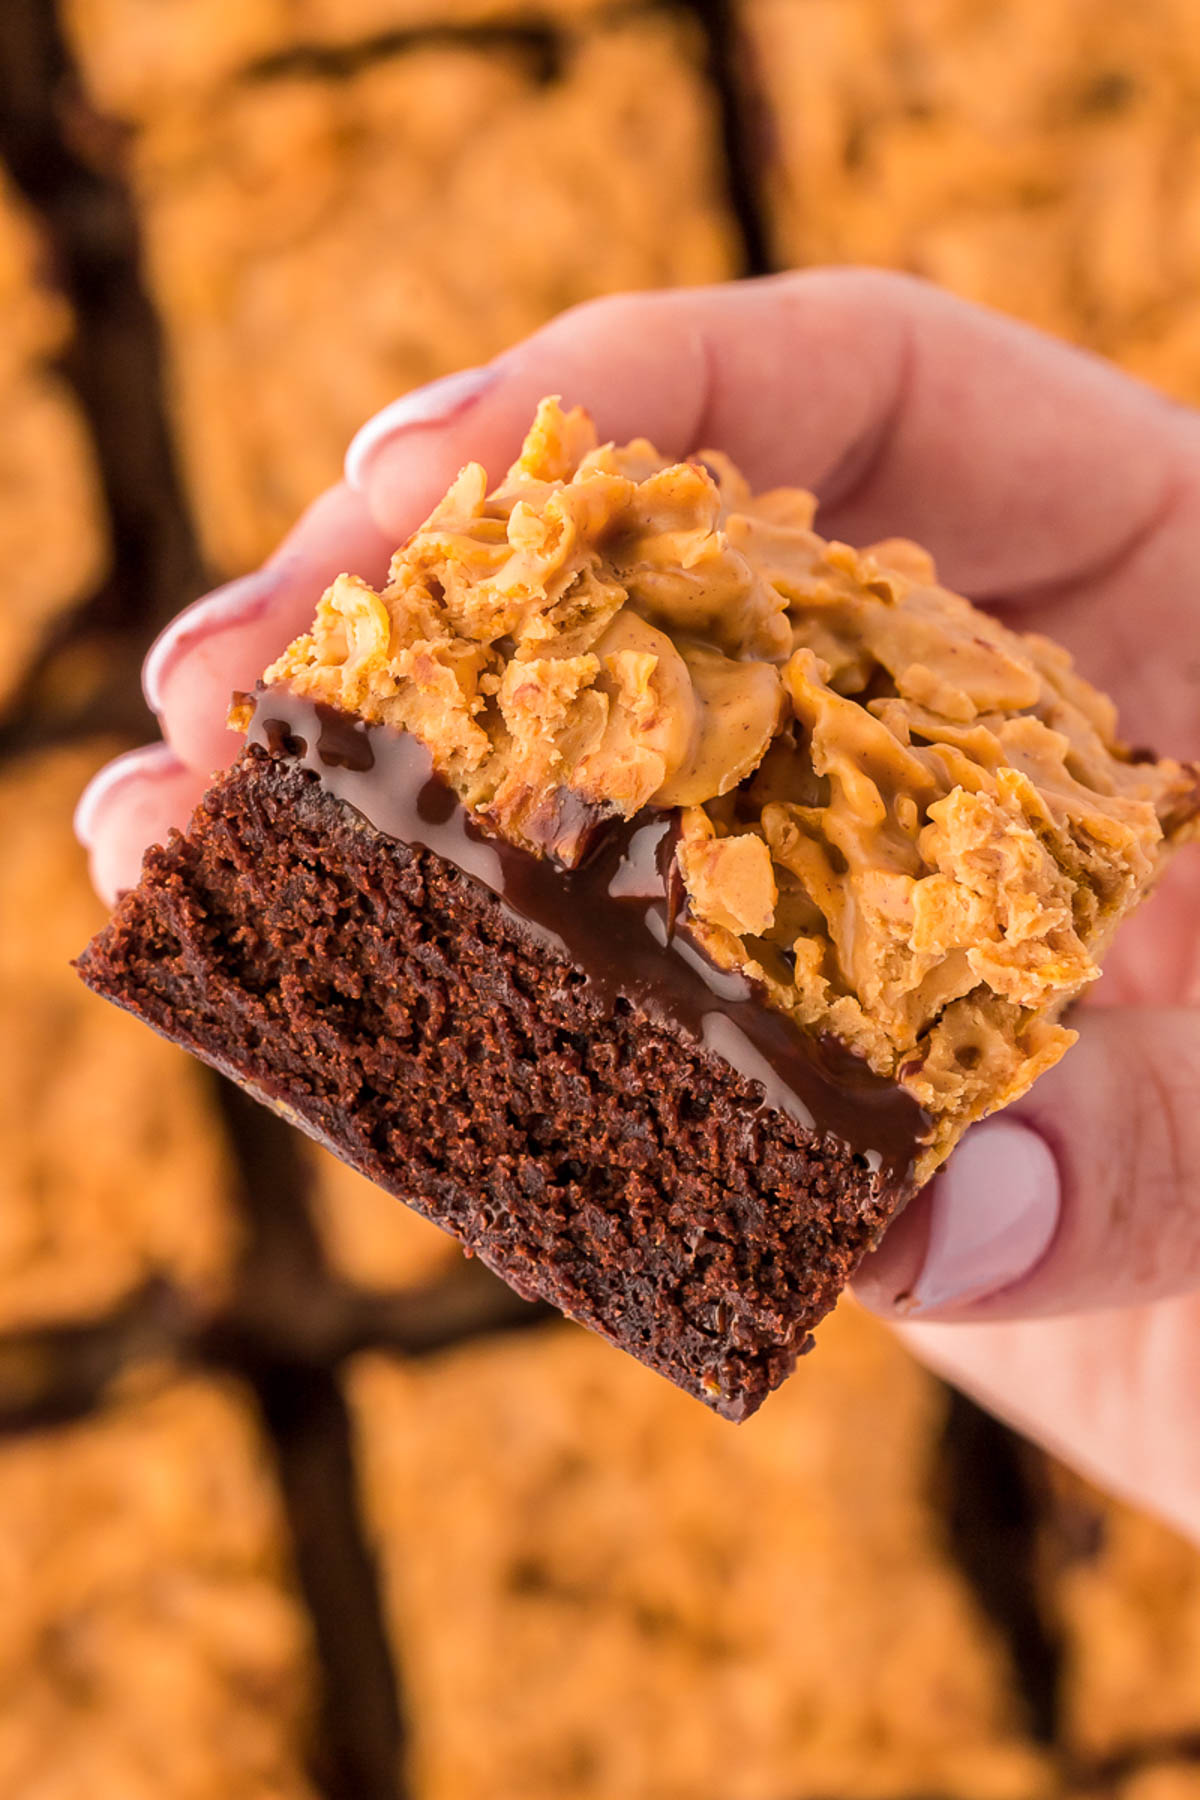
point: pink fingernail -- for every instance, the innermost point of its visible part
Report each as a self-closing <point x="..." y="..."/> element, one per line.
<point x="149" y="762"/>
<point x="994" y="1213"/>
<point x="237" y="603"/>
<point x="435" y="404"/>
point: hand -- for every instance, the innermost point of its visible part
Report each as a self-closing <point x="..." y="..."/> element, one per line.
<point x="1054" y="1268"/>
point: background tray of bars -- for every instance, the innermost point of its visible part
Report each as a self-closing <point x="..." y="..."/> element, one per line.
<point x="294" y="1501"/>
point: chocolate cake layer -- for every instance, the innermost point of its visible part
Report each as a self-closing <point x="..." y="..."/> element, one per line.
<point x="653" y="1152"/>
<point x="615" y="918"/>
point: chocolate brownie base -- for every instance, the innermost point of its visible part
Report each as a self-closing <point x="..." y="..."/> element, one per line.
<point x="399" y="1011"/>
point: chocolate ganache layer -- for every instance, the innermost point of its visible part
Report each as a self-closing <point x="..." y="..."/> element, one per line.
<point x="619" y="917"/>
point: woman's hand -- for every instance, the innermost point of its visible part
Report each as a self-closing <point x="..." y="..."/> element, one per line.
<point x="1054" y="1267"/>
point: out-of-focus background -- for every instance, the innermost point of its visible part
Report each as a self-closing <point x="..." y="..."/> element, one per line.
<point x="294" y="1502"/>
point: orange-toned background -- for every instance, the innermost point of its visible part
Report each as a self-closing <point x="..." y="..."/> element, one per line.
<point x="293" y="1501"/>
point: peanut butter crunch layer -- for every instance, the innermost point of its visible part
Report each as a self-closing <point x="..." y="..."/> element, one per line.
<point x="913" y="828"/>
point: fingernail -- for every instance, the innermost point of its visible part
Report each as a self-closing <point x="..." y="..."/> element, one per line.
<point x="147" y="763"/>
<point x="237" y="603"/>
<point x="994" y="1212"/>
<point x="434" y="404"/>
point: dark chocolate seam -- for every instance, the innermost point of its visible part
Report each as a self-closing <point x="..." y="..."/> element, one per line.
<point x="609" y="917"/>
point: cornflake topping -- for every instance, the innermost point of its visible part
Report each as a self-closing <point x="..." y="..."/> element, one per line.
<point x="915" y="828"/>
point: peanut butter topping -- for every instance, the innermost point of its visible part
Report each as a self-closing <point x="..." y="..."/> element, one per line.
<point x="915" y="828"/>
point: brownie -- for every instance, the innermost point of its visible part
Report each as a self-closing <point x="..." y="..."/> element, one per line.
<point x="624" y="1597"/>
<point x="655" y="919"/>
<point x="151" y="1639"/>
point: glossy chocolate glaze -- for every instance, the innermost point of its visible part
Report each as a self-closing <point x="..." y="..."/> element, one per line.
<point x="615" y="917"/>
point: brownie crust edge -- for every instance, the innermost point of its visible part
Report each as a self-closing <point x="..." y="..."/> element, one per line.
<point x="395" y="1009"/>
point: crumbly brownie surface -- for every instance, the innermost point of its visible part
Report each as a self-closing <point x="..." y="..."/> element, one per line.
<point x="605" y="1162"/>
<point x="114" y="1171"/>
<point x="413" y="201"/>
<point x="151" y="1643"/>
<point x="683" y="1610"/>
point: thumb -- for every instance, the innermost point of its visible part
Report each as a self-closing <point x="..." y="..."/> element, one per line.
<point x="1085" y="1195"/>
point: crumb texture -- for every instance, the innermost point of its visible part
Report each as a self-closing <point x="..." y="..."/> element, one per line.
<point x="592" y="1158"/>
<point x="915" y="828"/>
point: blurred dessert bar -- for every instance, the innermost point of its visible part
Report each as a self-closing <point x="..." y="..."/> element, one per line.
<point x="151" y="1643"/>
<point x="114" y="1170"/>
<point x="624" y="1597"/>
<point x="1121" y="1595"/>
<point x="53" y="535"/>
<point x="1040" y="158"/>
<point x="141" y="57"/>
<point x="1157" y="1779"/>
<point x="318" y="243"/>
<point x="655" y="918"/>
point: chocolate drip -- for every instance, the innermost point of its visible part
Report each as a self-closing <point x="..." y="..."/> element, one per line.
<point x="616" y="917"/>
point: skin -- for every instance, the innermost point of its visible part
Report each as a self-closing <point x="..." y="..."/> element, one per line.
<point x="1050" y="488"/>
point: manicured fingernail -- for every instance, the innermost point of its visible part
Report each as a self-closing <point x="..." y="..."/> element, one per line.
<point x="237" y="603"/>
<point x="149" y="762"/>
<point x="994" y="1212"/>
<point x="434" y="404"/>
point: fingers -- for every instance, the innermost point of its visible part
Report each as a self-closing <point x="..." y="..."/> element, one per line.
<point x="1027" y="467"/>
<point x="133" y="802"/>
<point x="1020" y="462"/>
<point x="226" y="640"/>
<point x="1088" y="1198"/>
